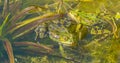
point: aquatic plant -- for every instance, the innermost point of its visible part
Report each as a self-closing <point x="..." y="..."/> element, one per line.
<point x="10" y="24"/>
<point x="89" y="28"/>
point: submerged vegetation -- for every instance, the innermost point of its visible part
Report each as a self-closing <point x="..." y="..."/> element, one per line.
<point x="59" y="31"/>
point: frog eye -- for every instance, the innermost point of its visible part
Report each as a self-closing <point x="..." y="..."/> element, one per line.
<point x="66" y="38"/>
<point x="56" y="36"/>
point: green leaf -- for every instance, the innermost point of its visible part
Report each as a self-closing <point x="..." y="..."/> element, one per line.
<point x="27" y="28"/>
<point x="38" y="20"/>
<point x="23" y="31"/>
<point x="28" y="21"/>
<point x="25" y="11"/>
<point x="3" y="25"/>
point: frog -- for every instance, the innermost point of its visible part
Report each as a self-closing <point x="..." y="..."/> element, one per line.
<point x="56" y="30"/>
<point x="60" y="34"/>
<point x="41" y="31"/>
<point x="94" y="21"/>
<point x="82" y="17"/>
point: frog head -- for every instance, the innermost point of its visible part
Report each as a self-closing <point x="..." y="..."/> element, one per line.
<point x="60" y="34"/>
<point x="63" y="38"/>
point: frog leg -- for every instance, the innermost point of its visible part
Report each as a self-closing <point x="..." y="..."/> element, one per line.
<point x="62" y="52"/>
<point x="37" y="34"/>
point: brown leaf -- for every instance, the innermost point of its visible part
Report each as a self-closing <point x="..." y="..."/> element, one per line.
<point x="26" y="26"/>
<point x="34" y="45"/>
<point x="5" y="8"/>
<point x="21" y="14"/>
<point x="8" y="48"/>
<point x="14" y="7"/>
